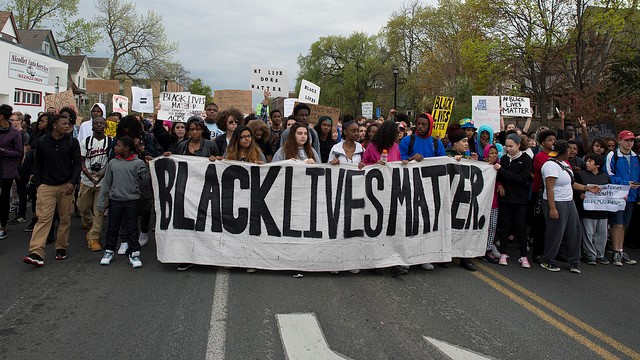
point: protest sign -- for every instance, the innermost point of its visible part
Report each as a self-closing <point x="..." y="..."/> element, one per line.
<point x="515" y="106"/>
<point x="289" y="215"/>
<point x="442" y="108"/>
<point x="601" y="130"/>
<point x="610" y="198"/>
<point x="274" y="79"/>
<point x="121" y="104"/>
<point x="318" y="111"/>
<point x="110" y="128"/>
<point x="485" y="110"/>
<point x="60" y="100"/>
<point x="142" y="100"/>
<point x="236" y="99"/>
<point x="309" y="92"/>
<point x="180" y="106"/>
<point x="289" y="104"/>
<point x="367" y="110"/>
<point x="97" y="86"/>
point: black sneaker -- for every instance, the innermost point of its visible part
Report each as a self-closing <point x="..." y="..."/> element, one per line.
<point x="467" y="264"/>
<point x="61" y="254"/>
<point x="398" y="270"/>
<point x="30" y="227"/>
<point x="33" y="259"/>
<point x="575" y="268"/>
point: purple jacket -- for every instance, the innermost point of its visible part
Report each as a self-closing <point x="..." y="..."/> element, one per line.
<point x="12" y="151"/>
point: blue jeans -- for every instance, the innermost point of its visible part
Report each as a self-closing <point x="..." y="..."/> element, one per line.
<point x="120" y="211"/>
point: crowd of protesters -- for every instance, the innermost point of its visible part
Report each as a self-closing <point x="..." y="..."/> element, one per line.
<point x="542" y="175"/>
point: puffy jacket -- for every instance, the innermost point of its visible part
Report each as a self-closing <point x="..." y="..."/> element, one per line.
<point x="621" y="171"/>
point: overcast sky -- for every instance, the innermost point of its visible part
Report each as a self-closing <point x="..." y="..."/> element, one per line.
<point x="219" y="40"/>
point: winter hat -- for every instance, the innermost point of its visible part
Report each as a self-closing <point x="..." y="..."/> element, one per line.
<point x="515" y="138"/>
<point x="455" y="133"/>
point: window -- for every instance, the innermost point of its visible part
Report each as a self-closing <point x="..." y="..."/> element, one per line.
<point x="27" y="97"/>
<point x="46" y="48"/>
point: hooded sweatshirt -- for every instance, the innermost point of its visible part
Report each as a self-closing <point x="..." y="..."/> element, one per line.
<point x="480" y="148"/>
<point x="86" y="128"/>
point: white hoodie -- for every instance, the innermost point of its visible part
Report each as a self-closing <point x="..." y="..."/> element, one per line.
<point x="86" y="128"/>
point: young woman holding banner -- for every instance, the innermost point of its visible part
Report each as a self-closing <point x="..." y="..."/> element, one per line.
<point x="349" y="150"/>
<point x="297" y="147"/>
<point x="243" y="147"/>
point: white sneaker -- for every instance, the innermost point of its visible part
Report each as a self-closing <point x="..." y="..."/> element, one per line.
<point x="3" y="234"/>
<point x="107" y="257"/>
<point x="134" y="260"/>
<point x="143" y="239"/>
<point x="427" y="266"/>
<point x="123" y="248"/>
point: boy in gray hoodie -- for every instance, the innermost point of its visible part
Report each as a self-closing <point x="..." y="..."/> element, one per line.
<point x="130" y="171"/>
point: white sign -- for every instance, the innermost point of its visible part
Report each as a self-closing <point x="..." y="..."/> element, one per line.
<point x="309" y="93"/>
<point x="515" y="106"/>
<point x="610" y="198"/>
<point x="290" y="215"/>
<point x="121" y="104"/>
<point x="485" y="110"/>
<point x="367" y="110"/>
<point x="142" y="100"/>
<point x="289" y="104"/>
<point x="28" y="69"/>
<point x="274" y="79"/>
<point x="180" y="106"/>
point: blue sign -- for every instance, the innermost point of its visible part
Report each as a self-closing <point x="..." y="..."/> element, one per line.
<point x="378" y="110"/>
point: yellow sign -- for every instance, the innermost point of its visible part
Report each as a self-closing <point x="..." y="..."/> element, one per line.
<point x="442" y="108"/>
<point x="110" y="129"/>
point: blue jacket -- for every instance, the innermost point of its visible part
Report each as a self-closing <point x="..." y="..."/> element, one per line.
<point x="480" y="149"/>
<point x="621" y="172"/>
<point x="422" y="146"/>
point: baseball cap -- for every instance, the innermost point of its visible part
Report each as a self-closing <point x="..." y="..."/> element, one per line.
<point x="626" y="135"/>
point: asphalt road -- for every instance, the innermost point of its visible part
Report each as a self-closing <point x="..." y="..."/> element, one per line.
<point x="76" y="309"/>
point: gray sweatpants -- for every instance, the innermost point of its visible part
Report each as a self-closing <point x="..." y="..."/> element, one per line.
<point x="566" y="228"/>
<point x="594" y="238"/>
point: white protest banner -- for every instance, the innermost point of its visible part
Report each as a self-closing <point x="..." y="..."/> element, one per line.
<point x="289" y="104"/>
<point x="180" y="106"/>
<point x="442" y="108"/>
<point x="485" y="110"/>
<point x="290" y="215"/>
<point x="610" y="198"/>
<point x="367" y="110"/>
<point x="515" y="106"/>
<point x="274" y="79"/>
<point x="309" y="93"/>
<point x="28" y="69"/>
<point x="142" y="100"/>
<point x="121" y="104"/>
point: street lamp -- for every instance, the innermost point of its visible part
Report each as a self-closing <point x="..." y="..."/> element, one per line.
<point x="396" y="71"/>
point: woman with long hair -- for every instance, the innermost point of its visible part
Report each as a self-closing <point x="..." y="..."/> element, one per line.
<point x="297" y="147"/>
<point x="243" y="147"/>
<point x="169" y="140"/>
<point x="324" y="129"/>
<point x="385" y="139"/>
<point x="262" y="137"/>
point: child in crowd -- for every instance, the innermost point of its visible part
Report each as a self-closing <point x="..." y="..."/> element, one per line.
<point x="493" y="255"/>
<point x="131" y="172"/>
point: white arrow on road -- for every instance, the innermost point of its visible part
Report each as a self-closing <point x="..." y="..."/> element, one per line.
<point x="454" y="352"/>
<point x="302" y="338"/>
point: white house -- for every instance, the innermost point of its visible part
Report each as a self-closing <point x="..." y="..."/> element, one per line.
<point x="26" y="76"/>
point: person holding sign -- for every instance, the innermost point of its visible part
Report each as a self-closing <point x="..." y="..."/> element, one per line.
<point x="298" y="147"/>
<point x="594" y="223"/>
<point x="623" y="166"/>
<point x="383" y="141"/>
<point x="560" y="211"/>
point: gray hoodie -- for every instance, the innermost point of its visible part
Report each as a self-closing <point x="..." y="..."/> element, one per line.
<point x="122" y="180"/>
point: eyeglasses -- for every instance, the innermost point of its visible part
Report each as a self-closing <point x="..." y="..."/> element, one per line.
<point x="232" y="122"/>
<point x="245" y="137"/>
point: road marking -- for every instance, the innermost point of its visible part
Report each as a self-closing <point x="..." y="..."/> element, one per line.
<point x="544" y="316"/>
<point x="218" y="322"/>
<point x="565" y="315"/>
<point x="302" y="338"/>
<point x="455" y="352"/>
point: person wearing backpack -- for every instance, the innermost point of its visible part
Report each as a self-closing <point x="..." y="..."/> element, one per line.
<point x="623" y="167"/>
<point x="95" y="155"/>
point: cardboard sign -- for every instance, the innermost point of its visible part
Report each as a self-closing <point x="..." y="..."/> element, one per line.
<point x="121" y="104"/>
<point x="485" y="110"/>
<point x="236" y="99"/>
<point x="60" y="100"/>
<point x="442" y="108"/>
<point x="277" y="216"/>
<point x="289" y="104"/>
<point x="274" y="79"/>
<point x="515" y="106"/>
<point x="367" y="110"/>
<point x="142" y="100"/>
<point x="95" y="86"/>
<point x="318" y="111"/>
<point x="309" y="92"/>
<point x="180" y="106"/>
